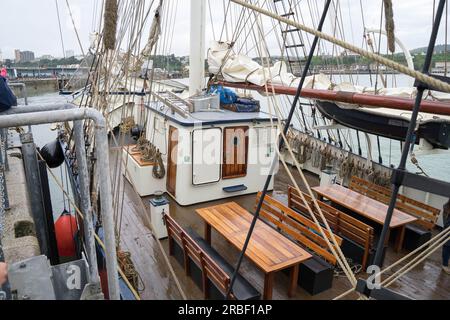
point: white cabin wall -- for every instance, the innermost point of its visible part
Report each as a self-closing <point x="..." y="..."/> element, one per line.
<point x="188" y="194"/>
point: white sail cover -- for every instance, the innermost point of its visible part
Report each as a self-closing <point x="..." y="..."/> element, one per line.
<point x="239" y="68"/>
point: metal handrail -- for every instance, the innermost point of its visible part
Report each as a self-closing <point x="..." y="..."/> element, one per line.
<point x="36" y="115"/>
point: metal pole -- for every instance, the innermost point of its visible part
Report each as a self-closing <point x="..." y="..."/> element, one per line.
<point x="86" y="207"/>
<point x="102" y="150"/>
<point x="281" y="144"/>
<point x="410" y="137"/>
<point x="33" y="178"/>
<point x="44" y="117"/>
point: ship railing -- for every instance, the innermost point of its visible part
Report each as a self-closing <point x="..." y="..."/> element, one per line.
<point x="37" y="115"/>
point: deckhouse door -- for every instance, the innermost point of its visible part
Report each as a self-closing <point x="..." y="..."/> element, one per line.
<point x="171" y="184"/>
<point x="235" y="153"/>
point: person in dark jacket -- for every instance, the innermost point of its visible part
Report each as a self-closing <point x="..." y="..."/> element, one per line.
<point x="446" y="248"/>
<point x="7" y="97"/>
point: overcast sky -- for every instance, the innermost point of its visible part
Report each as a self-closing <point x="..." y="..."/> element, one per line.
<point x="33" y="25"/>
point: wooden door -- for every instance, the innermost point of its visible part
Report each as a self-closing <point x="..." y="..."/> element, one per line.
<point x="171" y="184"/>
<point x="235" y="152"/>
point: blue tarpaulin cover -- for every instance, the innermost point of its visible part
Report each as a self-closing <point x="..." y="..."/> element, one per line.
<point x="227" y="96"/>
<point x="230" y="98"/>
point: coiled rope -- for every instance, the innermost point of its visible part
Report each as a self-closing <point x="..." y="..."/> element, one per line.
<point x="439" y="85"/>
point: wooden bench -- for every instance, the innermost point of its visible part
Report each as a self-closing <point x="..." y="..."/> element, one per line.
<point x="316" y="274"/>
<point x="417" y="233"/>
<point x="205" y="266"/>
<point x="358" y="237"/>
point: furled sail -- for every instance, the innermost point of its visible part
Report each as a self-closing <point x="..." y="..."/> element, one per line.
<point x="239" y="68"/>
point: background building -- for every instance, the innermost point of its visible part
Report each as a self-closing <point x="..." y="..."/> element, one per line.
<point x="24" y="56"/>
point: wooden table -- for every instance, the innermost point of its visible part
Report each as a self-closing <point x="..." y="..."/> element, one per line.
<point x="269" y="250"/>
<point x="368" y="208"/>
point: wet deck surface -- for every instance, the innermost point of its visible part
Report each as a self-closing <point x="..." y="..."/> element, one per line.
<point x="426" y="281"/>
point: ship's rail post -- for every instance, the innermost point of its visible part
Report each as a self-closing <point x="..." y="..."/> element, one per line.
<point x="86" y="206"/>
<point x="37" y="115"/>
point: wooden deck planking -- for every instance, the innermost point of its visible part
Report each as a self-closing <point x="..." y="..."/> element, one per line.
<point x="137" y="239"/>
<point x="145" y="254"/>
<point x="425" y="282"/>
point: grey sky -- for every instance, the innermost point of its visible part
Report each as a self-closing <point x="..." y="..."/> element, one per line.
<point x="32" y="25"/>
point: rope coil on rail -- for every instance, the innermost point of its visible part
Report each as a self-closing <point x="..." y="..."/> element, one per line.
<point x="435" y="83"/>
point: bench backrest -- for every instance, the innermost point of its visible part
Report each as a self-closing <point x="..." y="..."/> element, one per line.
<point x="174" y="231"/>
<point x="427" y="215"/>
<point x="295" y="202"/>
<point x="341" y="223"/>
<point x="217" y="276"/>
<point x="297" y="227"/>
<point x="192" y="250"/>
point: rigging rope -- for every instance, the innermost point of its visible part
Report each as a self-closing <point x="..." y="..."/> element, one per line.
<point x="440" y="85"/>
<point x="333" y="244"/>
<point x="75" y="28"/>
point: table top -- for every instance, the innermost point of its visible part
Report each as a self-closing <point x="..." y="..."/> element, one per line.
<point x="268" y="249"/>
<point x="363" y="205"/>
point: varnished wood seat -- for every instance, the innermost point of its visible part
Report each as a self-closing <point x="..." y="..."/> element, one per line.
<point x="416" y="233"/>
<point x="358" y="237"/>
<point x="316" y="274"/>
<point x="205" y="266"/>
<point x="242" y="289"/>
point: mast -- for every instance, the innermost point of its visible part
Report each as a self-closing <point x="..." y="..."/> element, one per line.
<point x="197" y="47"/>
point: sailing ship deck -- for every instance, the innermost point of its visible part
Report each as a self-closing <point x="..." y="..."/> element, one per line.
<point x="424" y="282"/>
